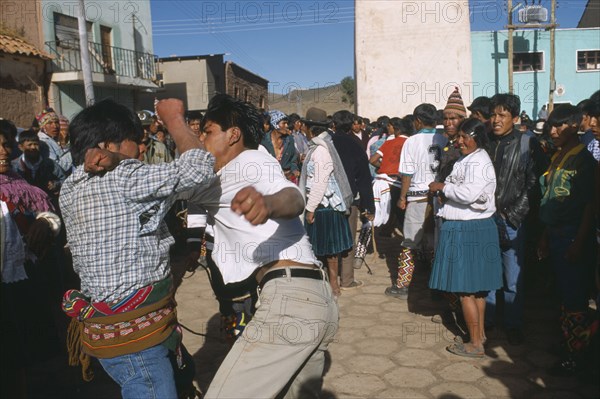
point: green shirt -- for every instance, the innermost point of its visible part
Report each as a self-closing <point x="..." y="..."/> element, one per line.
<point x="568" y="188"/>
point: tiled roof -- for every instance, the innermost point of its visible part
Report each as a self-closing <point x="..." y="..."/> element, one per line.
<point x="15" y="45"/>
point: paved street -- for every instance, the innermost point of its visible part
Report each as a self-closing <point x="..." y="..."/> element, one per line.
<point x="385" y="348"/>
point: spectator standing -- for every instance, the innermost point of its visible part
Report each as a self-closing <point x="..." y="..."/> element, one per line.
<point x="29" y="228"/>
<point x="518" y="162"/>
<point x="567" y="211"/>
<point x="328" y="201"/>
<point x="419" y="165"/>
<point x="280" y="145"/>
<point x="356" y="166"/>
<point x="49" y="132"/>
<point x="41" y="172"/>
<point x="467" y="261"/>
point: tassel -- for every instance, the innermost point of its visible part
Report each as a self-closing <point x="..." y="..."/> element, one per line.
<point x="76" y="355"/>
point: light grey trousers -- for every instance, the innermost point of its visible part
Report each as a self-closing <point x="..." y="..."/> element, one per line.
<point x="282" y="349"/>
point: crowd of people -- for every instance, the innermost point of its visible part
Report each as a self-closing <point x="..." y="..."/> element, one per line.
<point x="272" y="206"/>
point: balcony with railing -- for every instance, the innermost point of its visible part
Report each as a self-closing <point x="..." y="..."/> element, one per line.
<point x="106" y="60"/>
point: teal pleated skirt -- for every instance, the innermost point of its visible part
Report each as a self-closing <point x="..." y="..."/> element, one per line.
<point x="467" y="258"/>
<point x="330" y="233"/>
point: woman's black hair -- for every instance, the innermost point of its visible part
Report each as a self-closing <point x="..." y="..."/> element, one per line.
<point x="476" y="129"/>
<point x="104" y="122"/>
<point x="228" y="112"/>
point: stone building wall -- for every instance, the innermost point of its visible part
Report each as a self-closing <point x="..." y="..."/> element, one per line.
<point x="21" y="88"/>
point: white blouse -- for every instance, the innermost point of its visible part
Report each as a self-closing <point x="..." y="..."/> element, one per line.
<point x="470" y="188"/>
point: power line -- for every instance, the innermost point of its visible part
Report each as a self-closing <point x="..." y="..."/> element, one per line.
<point x="248" y="30"/>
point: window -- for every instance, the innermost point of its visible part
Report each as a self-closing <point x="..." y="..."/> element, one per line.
<point x="106" y="43"/>
<point x="66" y="29"/>
<point x="246" y="98"/>
<point x="236" y="92"/>
<point x="528" y="62"/>
<point x="261" y="102"/>
<point x="588" y="60"/>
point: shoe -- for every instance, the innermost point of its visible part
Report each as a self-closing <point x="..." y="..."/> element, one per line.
<point x="354" y="284"/>
<point x="461" y="349"/>
<point x="445" y="316"/>
<point x="358" y="262"/>
<point x="397" y="292"/>
<point x="515" y="336"/>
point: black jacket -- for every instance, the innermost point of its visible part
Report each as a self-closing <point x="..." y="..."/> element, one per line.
<point x="356" y="166"/>
<point x="517" y="173"/>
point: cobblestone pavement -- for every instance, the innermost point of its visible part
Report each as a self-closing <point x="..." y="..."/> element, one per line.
<point x="385" y="348"/>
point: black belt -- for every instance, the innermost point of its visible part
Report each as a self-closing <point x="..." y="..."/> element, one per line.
<point x="316" y="274"/>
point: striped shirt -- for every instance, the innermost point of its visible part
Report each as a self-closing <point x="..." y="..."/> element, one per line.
<point x="115" y="226"/>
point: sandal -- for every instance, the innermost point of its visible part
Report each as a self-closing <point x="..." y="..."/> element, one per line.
<point x="458" y="339"/>
<point x="460" y="349"/>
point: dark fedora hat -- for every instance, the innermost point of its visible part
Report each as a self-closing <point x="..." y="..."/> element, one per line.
<point x="315" y="117"/>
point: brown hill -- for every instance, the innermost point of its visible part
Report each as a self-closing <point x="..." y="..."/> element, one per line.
<point x="327" y="98"/>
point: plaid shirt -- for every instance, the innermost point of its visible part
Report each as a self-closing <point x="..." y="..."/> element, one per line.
<point x="115" y="226"/>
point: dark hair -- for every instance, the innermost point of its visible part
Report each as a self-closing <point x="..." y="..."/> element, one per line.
<point x="407" y="126"/>
<point x="193" y="115"/>
<point x="566" y="113"/>
<point x="228" y="112"/>
<point x="383" y="121"/>
<point x="396" y="124"/>
<point x="439" y="117"/>
<point x="293" y="118"/>
<point x="426" y="113"/>
<point x="509" y="102"/>
<point x="105" y="121"/>
<point x="8" y="130"/>
<point x="592" y="105"/>
<point x="343" y="121"/>
<point x="481" y="105"/>
<point x="476" y="129"/>
<point x="316" y="130"/>
<point x="28" y="135"/>
<point x="265" y="118"/>
<point x="357" y="119"/>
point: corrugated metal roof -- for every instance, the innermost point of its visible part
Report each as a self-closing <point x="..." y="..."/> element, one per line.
<point x="15" y="45"/>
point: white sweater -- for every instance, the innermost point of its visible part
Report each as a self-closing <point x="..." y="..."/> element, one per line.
<point x="470" y="188"/>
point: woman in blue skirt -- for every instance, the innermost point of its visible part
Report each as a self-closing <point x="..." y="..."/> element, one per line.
<point x="467" y="259"/>
<point x="328" y="200"/>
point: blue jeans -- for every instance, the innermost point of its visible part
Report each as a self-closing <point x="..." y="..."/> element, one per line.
<point x="146" y="374"/>
<point x="512" y="290"/>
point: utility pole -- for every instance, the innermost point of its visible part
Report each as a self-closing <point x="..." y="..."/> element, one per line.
<point x="85" y="56"/>
<point x="510" y="47"/>
<point x="533" y="21"/>
<point x="552" y="57"/>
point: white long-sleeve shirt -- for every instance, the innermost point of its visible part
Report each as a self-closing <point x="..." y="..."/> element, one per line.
<point x="470" y="188"/>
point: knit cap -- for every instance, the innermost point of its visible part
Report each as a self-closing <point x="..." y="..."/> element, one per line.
<point x="276" y="117"/>
<point x="455" y="104"/>
<point x="46" y="116"/>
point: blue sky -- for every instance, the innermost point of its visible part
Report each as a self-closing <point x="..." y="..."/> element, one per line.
<point x="303" y="43"/>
